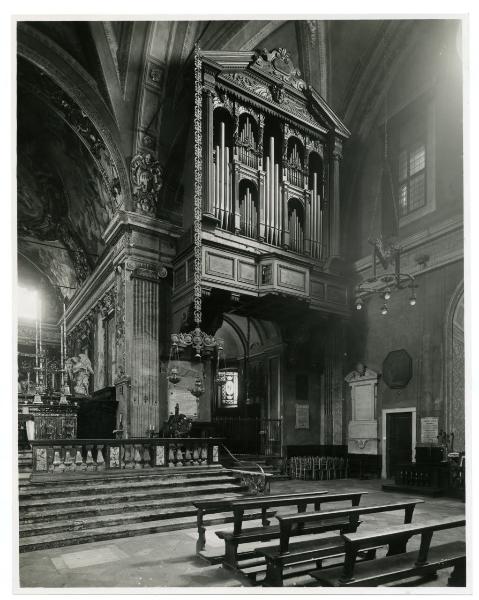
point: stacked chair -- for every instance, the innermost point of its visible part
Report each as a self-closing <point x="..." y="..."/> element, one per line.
<point x="317" y="467"/>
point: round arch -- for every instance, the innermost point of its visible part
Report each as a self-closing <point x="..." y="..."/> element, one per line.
<point x="454" y="385"/>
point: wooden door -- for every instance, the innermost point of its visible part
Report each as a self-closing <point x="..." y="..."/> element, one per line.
<point x="398" y="440"/>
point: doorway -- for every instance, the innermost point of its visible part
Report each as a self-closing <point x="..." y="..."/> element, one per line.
<point x="399" y="439"/>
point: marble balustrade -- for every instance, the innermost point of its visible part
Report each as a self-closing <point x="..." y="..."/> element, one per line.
<point x="58" y="456"/>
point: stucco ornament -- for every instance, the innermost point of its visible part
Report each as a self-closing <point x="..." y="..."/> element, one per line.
<point x="147" y="180"/>
<point x="79" y="370"/>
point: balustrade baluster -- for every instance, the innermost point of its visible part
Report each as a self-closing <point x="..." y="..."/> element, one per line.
<point x="137" y="454"/>
<point x="79" y="464"/>
<point x="171" y="455"/>
<point x="146" y="457"/>
<point x="188" y="460"/>
<point x="179" y="456"/>
<point x="90" y="463"/>
<point x="128" y="457"/>
<point x="196" y="455"/>
<point x="204" y="455"/>
<point x="69" y="464"/>
<point x="57" y="465"/>
<point x="100" y="461"/>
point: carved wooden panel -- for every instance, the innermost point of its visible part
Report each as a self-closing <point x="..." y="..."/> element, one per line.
<point x="247" y="272"/>
<point x="221" y="266"/>
<point x="291" y="278"/>
<point x="337" y="294"/>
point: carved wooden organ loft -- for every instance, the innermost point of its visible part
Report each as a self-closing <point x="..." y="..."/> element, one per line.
<point x="267" y="153"/>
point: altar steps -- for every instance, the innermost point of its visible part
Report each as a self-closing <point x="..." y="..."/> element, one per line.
<point x="65" y="513"/>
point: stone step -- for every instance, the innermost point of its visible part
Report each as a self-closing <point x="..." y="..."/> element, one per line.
<point x="91" y="478"/>
<point x="102" y="509"/>
<point x="57" y="491"/>
<point x="126" y="496"/>
<point x="56" y="540"/>
<point x="74" y="524"/>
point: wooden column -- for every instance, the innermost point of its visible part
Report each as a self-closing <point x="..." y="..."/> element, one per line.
<point x="334" y="199"/>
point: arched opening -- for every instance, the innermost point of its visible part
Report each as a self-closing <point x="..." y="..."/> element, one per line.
<point x="222" y="173"/>
<point x="248" y="203"/>
<point x="247" y="140"/>
<point x="316" y="195"/>
<point x="295" y="164"/>
<point x="272" y="164"/>
<point x="296" y="225"/>
<point x="455" y="376"/>
<point x="247" y="392"/>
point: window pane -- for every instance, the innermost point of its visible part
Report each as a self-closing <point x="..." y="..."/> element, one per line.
<point x="402" y="200"/>
<point x="417" y="159"/>
<point x="417" y="196"/>
<point x="402" y="165"/>
<point x="228" y="391"/>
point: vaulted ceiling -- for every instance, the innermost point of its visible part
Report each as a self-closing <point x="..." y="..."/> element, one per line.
<point x="92" y="94"/>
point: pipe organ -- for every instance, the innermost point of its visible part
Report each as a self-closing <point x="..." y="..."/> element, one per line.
<point x="267" y="156"/>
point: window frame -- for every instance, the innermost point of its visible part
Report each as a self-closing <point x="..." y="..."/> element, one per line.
<point x="418" y="142"/>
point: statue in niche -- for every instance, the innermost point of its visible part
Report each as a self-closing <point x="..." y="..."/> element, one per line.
<point x="79" y="370"/>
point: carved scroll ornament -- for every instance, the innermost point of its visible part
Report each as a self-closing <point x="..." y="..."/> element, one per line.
<point x="147" y="180"/>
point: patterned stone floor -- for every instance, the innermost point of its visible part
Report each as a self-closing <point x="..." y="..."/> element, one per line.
<point x="168" y="559"/>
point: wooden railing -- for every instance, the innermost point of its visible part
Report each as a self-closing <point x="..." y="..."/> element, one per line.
<point x="58" y="456"/>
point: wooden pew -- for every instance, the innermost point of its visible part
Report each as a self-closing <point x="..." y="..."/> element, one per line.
<point x="304" y="552"/>
<point x="397" y="566"/>
<point x="221" y="505"/>
<point x="261" y="534"/>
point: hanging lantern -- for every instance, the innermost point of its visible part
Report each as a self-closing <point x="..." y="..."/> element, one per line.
<point x="198" y="389"/>
<point x="173" y="376"/>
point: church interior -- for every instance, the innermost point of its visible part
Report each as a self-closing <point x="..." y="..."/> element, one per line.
<point x="240" y="303"/>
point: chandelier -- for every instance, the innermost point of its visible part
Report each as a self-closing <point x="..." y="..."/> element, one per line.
<point x="384" y="284"/>
<point x="201" y="342"/>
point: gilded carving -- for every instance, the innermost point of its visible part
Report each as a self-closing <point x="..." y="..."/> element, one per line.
<point x="279" y="64"/>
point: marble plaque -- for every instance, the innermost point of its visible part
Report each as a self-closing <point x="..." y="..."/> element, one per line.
<point x="114" y="457"/>
<point x="41" y="459"/>
<point x="160" y="456"/>
<point x="302" y="416"/>
<point x="363" y="402"/>
<point x="429" y="430"/>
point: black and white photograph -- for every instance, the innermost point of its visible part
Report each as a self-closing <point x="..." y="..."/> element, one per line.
<point x="241" y="304"/>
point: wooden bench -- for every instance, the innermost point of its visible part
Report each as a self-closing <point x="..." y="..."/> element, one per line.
<point x="221" y="505"/>
<point x="424" y="562"/>
<point x="261" y="534"/>
<point x="306" y="552"/>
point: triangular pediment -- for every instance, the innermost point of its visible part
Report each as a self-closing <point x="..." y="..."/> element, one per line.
<point x="272" y="77"/>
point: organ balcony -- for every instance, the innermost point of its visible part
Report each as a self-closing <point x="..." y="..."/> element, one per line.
<point x="270" y="149"/>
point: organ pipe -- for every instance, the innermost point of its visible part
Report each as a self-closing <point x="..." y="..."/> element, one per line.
<point x="222" y="169"/>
